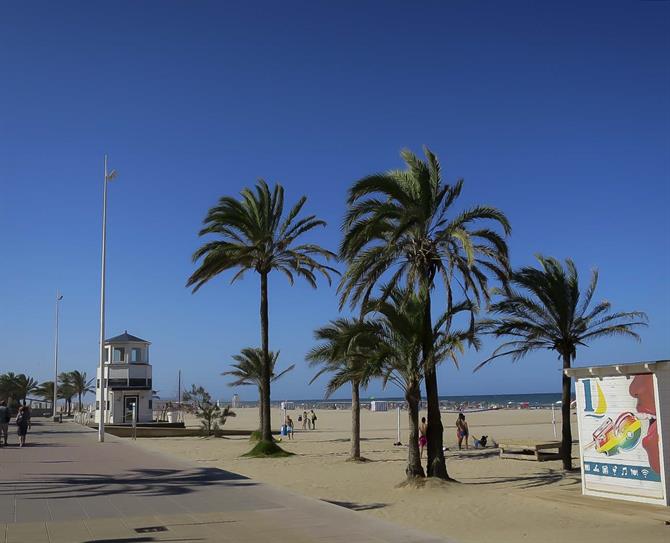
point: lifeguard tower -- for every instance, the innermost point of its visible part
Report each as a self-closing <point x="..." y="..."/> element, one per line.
<point x="128" y="376"/>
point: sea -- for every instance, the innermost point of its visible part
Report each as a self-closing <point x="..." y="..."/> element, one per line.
<point x="448" y="403"/>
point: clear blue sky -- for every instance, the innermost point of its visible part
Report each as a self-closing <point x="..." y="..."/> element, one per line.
<point x="559" y="115"/>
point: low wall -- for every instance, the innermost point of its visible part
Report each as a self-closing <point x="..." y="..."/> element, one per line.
<point x="162" y="431"/>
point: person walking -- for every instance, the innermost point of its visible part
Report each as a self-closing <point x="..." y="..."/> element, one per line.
<point x="462" y="430"/>
<point x="423" y="440"/>
<point x="289" y="427"/>
<point x="304" y="420"/>
<point x="312" y="416"/>
<point x="28" y="414"/>
<point x="4" y="422"/>
<point x="22" y="422"/>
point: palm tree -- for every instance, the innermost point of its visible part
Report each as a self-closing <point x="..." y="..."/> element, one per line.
<point x="66" y="389"/>
<point x="255" y="235"/>
<point x="398" y="354"/>
<point x="23" y="385"/>
<point x="249" y="371"/>
<point x="549" y="311"/>
<point x="46" y="390"/>
<point x="401" y="225"/>
<point x="81" y="385"/>
<point x="8" y="387"/>
<point x="346" y="345"/>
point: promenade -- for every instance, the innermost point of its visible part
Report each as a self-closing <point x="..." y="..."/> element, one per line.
<point x="65" y="487"/>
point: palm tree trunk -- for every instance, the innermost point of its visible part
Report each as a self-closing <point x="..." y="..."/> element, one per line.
<point x="355" y="421"/>
<point x="266" y="431"/>
<point x="260" y="409"/>
<point x="414" y="468"/>
<point x="566" y="429"/>
<point x="80" y="402"/>
<point x="437" y="466"/>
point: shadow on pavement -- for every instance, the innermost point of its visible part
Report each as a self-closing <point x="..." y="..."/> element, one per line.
<point x="140" y="482"/>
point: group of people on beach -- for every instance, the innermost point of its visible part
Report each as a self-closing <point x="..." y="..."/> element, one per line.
<point x="22" y="423"/>
<point x="308" y="422"/>
<point x="462" y="434"/>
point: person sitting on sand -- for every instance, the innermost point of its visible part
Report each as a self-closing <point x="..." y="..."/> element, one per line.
<point x="481" y="442"/>
<point x="462" y="430"/>
<point x="423" y="440"/>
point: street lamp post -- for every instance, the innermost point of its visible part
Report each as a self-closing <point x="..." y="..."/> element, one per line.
<point x="103" y="385"/>
<point x="59" y="297"/>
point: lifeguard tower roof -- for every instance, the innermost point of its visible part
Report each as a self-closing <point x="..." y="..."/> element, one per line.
<point x="126" y="338"/>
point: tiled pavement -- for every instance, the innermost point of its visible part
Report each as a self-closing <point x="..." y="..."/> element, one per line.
<point x="65" y="487"/>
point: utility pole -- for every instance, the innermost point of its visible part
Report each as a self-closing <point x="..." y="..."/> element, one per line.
<point x="103" y="384"/>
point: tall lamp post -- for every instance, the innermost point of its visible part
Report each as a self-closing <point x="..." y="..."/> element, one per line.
<point x="59" y="297"/>
<point x="103" y="385"/>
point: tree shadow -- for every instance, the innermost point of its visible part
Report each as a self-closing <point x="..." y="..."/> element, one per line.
<point x="140" y="482"/>
<point x="348" y="439"/>
<point x="356" y="506"/>
<point x="472" y="454"/>
<point x="535" y="480"/>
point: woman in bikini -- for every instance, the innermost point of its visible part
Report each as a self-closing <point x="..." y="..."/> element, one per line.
<point x="462" y="430"/>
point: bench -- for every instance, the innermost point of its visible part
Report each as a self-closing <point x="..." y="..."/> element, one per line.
<point x="542" y="451"/>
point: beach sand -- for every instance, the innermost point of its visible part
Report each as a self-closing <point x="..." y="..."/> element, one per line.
<point x="494" y="499"/>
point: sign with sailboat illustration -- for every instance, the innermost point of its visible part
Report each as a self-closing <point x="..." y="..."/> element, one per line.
<point x="618" y="437"/>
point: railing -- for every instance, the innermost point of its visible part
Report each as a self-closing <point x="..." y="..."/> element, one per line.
<point x="84" y="418"/>
<point x="167" y="415"/>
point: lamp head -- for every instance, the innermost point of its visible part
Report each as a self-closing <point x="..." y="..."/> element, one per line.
<point x="111" y="175"/>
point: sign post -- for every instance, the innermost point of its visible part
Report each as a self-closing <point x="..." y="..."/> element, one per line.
<point x="397" y="442"/>
<point x="134" y="420"/>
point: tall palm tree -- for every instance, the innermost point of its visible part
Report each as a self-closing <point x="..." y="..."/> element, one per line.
<point x="545" y="309"/>
<point x="254" y="234"/>
<point x="249" y="371"/>
<point x="398" y="354"/>
<point x="81" y="385"/>
<point x="401" y="225"/>
<point x="345" y="347"/>
<point x="23" y="385"/>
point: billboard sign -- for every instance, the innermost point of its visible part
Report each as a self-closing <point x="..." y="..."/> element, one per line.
<point x="618" y="436"/>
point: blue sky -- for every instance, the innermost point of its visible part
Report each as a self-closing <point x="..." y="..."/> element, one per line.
<point x="559" y="115"/>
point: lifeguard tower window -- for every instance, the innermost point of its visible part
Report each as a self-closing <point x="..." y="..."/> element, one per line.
<point x="118" y="354"/>
<point x="136" y="355"/>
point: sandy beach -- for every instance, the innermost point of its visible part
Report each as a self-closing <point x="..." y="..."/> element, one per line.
<point x="502" y="500"/>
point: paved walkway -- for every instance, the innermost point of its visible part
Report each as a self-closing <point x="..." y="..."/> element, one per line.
<point x="66" y="487"/>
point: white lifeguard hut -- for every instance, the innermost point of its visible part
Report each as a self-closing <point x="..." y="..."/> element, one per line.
<point x="129" y="383"/>
<point x="623" y="416"/>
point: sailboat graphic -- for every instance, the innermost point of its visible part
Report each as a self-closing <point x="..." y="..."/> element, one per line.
<point x="601" y="405"/>
<point x="601" y="408"/>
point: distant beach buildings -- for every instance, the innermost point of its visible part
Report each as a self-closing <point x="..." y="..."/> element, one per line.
<point x="129" y="380"/>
